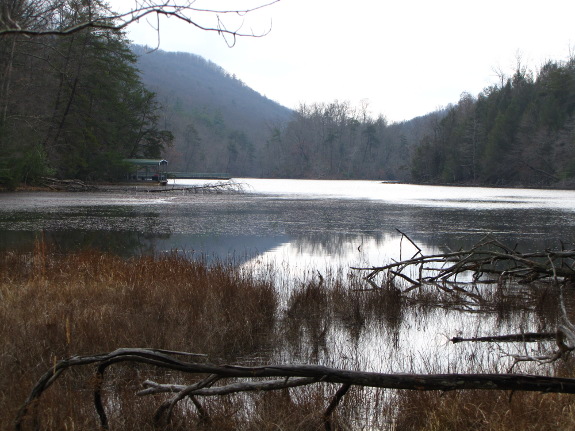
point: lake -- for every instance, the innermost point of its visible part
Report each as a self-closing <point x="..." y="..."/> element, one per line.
<point x="302" y="221"/>
<point x="303" y="227"/>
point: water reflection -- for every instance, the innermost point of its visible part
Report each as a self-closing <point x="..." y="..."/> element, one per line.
<point x="353" y="221"/>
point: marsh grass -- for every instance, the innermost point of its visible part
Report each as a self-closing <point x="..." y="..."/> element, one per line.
<point x="54" y="306"/>
<point x="484" y="410"/>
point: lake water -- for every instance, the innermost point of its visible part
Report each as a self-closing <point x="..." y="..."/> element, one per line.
<point x="305" y="226"/>
<point x="303" y="221"/>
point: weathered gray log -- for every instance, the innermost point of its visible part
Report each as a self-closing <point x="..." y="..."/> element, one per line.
<point x="66" y="185"/>
<point x="266" y="385"/>
<point x="420" y="382"/>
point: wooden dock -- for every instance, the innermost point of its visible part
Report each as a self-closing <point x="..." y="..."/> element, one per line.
<point x="198" y="176"/>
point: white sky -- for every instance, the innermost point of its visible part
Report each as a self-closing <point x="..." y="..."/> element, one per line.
<point x="406" y="57"/>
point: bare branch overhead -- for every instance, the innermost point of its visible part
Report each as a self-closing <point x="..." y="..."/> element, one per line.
<point x="18" y="20"/>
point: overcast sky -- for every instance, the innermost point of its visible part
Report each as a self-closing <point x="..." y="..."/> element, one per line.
<point x="406" y="57"/>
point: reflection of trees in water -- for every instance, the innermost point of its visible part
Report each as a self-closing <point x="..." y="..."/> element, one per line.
<point x="121" y="243"/>
<point x="455" y="228"/>
<point x="328" y="244"/>
<point x="353" y="250"/>
<point x="336" y="323"/>
<point x="124" y="231"/>
<point x="341" y="244"/>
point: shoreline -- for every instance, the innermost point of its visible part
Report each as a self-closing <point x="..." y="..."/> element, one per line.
<point x="49" y="184"/>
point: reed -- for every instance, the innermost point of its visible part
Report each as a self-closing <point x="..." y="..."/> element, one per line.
<point x="484" y="410"/>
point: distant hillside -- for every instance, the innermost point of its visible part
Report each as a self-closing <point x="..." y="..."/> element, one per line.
<point x="518" y="133"/>
<point x="219" y="124"/>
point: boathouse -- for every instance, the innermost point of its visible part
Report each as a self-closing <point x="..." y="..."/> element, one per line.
<point x="147" y="170"/>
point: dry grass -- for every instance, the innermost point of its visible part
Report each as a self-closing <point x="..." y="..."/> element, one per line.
<point x="54" y="306"/>
<point x="485" y="410"/>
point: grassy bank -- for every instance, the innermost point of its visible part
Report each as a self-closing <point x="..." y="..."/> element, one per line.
<point x="53" y="306"/>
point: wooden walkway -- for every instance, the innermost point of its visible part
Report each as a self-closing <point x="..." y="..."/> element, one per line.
<point x="198" y="176"/>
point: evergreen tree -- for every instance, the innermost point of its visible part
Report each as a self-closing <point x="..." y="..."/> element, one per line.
<point x="76" y="102"/>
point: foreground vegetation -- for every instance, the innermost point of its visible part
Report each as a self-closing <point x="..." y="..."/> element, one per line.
<point x="57" y="306"/>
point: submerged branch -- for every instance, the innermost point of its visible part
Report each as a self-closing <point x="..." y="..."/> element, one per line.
<point x="489" y="256"/>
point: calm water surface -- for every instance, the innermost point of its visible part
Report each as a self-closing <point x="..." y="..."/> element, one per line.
<point x="306" y="226"/>
<point x="296" y="220"/>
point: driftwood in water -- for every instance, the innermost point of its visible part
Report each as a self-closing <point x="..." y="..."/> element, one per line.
<point x="527" y="337"/>
<point x="492" y="258"/>
<point x="487" y="257"/>
<point x="219" y="187"/>
<point x="286" y="376"/>
<point x="66" y="185"/>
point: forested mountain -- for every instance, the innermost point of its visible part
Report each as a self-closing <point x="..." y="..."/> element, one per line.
<point x="71" y="106"/>
<point x="219" y="123"/>
<point x="521" y="132"/>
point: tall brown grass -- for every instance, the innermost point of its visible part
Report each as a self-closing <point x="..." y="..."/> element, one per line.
<point x="54" y="306"/>
<point x="485" y="410"/>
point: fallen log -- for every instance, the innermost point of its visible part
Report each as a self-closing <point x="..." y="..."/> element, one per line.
<point x="291" y="375"/>
<point x="527" y="337"/>
<point x="220" y="187"/>
<point x="66" y="185"/>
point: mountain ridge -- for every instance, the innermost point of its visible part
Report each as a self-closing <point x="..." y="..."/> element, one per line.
<point x="231" y="119"/>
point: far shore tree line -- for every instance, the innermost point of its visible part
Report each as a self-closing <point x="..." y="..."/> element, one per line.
<point x="74" y="104"/>
<point x="519" y="132"/>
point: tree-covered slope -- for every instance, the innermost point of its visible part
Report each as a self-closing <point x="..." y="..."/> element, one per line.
<point x="219" y="123"/>
<point x="521" y="132"/>
<point x="72" y="106"/>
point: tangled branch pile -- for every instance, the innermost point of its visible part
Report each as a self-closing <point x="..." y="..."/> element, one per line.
<point x="488" y="257"/>
<point x="491" y="258"/>
<point x="66" y="185"/>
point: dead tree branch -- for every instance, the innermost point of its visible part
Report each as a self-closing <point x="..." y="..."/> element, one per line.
<point x="66" y="185"/>
<point x="110" y="21"/>
<point x="289" y="376"/>
<point x="528" y="337"/>
<point x="489" y="256"/>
